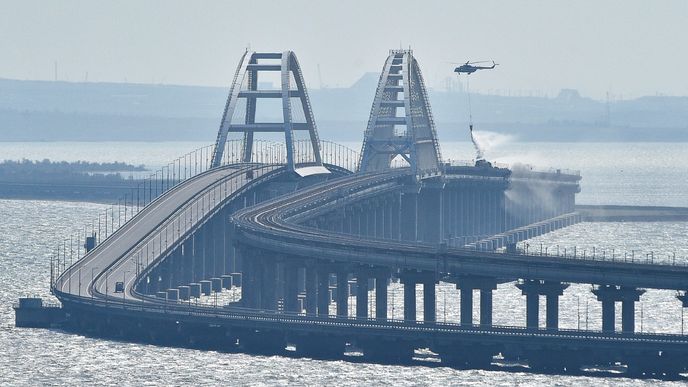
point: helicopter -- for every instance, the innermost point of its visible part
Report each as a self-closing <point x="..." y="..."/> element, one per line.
<point x="469" y="67"/>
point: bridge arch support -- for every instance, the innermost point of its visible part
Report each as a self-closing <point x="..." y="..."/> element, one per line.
<point x="401" y="123"/>
<point x="297" y="115"/>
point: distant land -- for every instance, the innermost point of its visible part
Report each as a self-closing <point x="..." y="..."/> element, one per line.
<point x="61" y="180"/>
<point x="87" y="111"/>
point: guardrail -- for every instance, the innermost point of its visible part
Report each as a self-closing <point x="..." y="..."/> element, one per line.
<point x="182" y="308"/>
<point x="93" y="233"/>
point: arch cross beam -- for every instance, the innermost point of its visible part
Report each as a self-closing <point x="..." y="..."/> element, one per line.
<point x="244" y="96"/>
<point x="401" y="122"/>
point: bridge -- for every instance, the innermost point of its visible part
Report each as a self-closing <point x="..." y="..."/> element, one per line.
<point x="307" y="236"/>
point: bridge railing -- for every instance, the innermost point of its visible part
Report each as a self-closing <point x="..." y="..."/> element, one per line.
<point x="152" y="304"/>
<point x="600" y="254"/>
<point x="94" y="232"/>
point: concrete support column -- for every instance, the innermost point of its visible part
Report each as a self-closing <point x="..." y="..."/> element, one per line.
<point x="533" y="289"/>
<point x="466" y="305"/>
<point x="608" y="295"/>
<point x="628" y="316"/>
<point x="409" y="300"/>
<point x="323" y="293"/>
<point x="381" y="296"/>
<point x="371" y="215"/>
<point x="291" y="289"/>
<point x="429" y="301"/>
<point x="342" y="294"/>
<point x="608" y="315"/>
<point x="395" y="224"/>
<point x="532" y="310"/>
<point x="552" y="316"/>
<point x="362" y="295"/>
<point x="311" y="291"/>
<point x="250" y="285"/>
<point x="409" y="216"/>
<point x="486" y="307"/>
<point x="269" y="282"/>
<point x="430" y="215"/>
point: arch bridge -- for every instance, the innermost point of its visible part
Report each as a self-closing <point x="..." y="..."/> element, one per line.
<point x="305" y="243"/>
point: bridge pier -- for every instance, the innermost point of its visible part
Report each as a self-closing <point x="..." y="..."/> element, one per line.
<point x="466" y="285"/>
<point x="410" y="278"/>
<point x="409" y="214"/>
<point x="533" y="289"/>
<point x="323" y="292"/>
<point x="342" y="293"/>
<point x="311" y="290"/>
<point x="268" y="293"/>
<point x="430" y="214"/>
<point x="409" y="298"/>
<point x="251" y="280"/>
<point x="608" y="295"/>
<point x="381" y="277"/>
<point x="362" y="294"/>
<point x="291" y="288"/>
<point x="187" y="261"/>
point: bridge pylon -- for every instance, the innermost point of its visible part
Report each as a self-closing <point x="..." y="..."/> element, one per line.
<point x="245" y="94"/>
<point x="401" y="123"/>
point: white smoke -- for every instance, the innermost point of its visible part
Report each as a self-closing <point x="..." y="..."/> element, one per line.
<point x="485" y="141"/>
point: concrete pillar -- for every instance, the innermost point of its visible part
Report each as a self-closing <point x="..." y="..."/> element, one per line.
<point x="395" y="224"/>
<point x="409" y="216"/>
<point x="311" y="291"/>
<point x="323" y="293"/>
<point x="429" y="216"/>
<point x="268" y="292"/>
<point x="485" y="307"/>
<point x="608" y="315"/>
<point x="371" y="214"/>
<point x="608" y="295"/>
<point x="533" y="289"/>
<point x="409" y="300"/>
<point x="466" y="305"/>
<point x="532" y="310"/>
<point x="342" y="294"/>
<point x="184" y="292"/>
<point x="195" y="289"/>
<point x="362" y="295"/>
<point x="381" y="297"/>
<point x="552" y="316"/>
<point x="216" y="284"/>
<point x="628" y="316"/>
<point x="206" y="286"/>
<point x="291" y="289"/>
<point x="429" y="301"/>
<point x="227" y="281"/>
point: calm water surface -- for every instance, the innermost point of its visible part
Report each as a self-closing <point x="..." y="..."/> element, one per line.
<point x="648" y="174"/>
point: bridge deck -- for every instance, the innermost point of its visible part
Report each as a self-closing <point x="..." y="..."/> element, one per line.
<point x="140" y="242"/>
<point x="273" y="225"/>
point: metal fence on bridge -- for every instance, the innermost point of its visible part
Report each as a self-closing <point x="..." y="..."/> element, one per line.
<point x="71" y="249"/>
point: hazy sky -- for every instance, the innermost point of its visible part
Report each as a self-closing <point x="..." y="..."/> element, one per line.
<point x="629" y="48"/>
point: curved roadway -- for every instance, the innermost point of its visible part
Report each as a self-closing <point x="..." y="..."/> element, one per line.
<point x="278" y="225"/>
<point x="140" y="242"/>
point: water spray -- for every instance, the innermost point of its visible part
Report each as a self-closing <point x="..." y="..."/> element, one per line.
<point x="479" y="154"/>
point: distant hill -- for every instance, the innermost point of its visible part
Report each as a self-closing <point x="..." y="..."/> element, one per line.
<point x="51" y="111"/>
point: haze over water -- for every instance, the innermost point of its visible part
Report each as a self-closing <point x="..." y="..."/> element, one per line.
<point x="635" y="173"/>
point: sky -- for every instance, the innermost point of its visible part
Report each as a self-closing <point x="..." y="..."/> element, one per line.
<point x="625" y="48"/>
